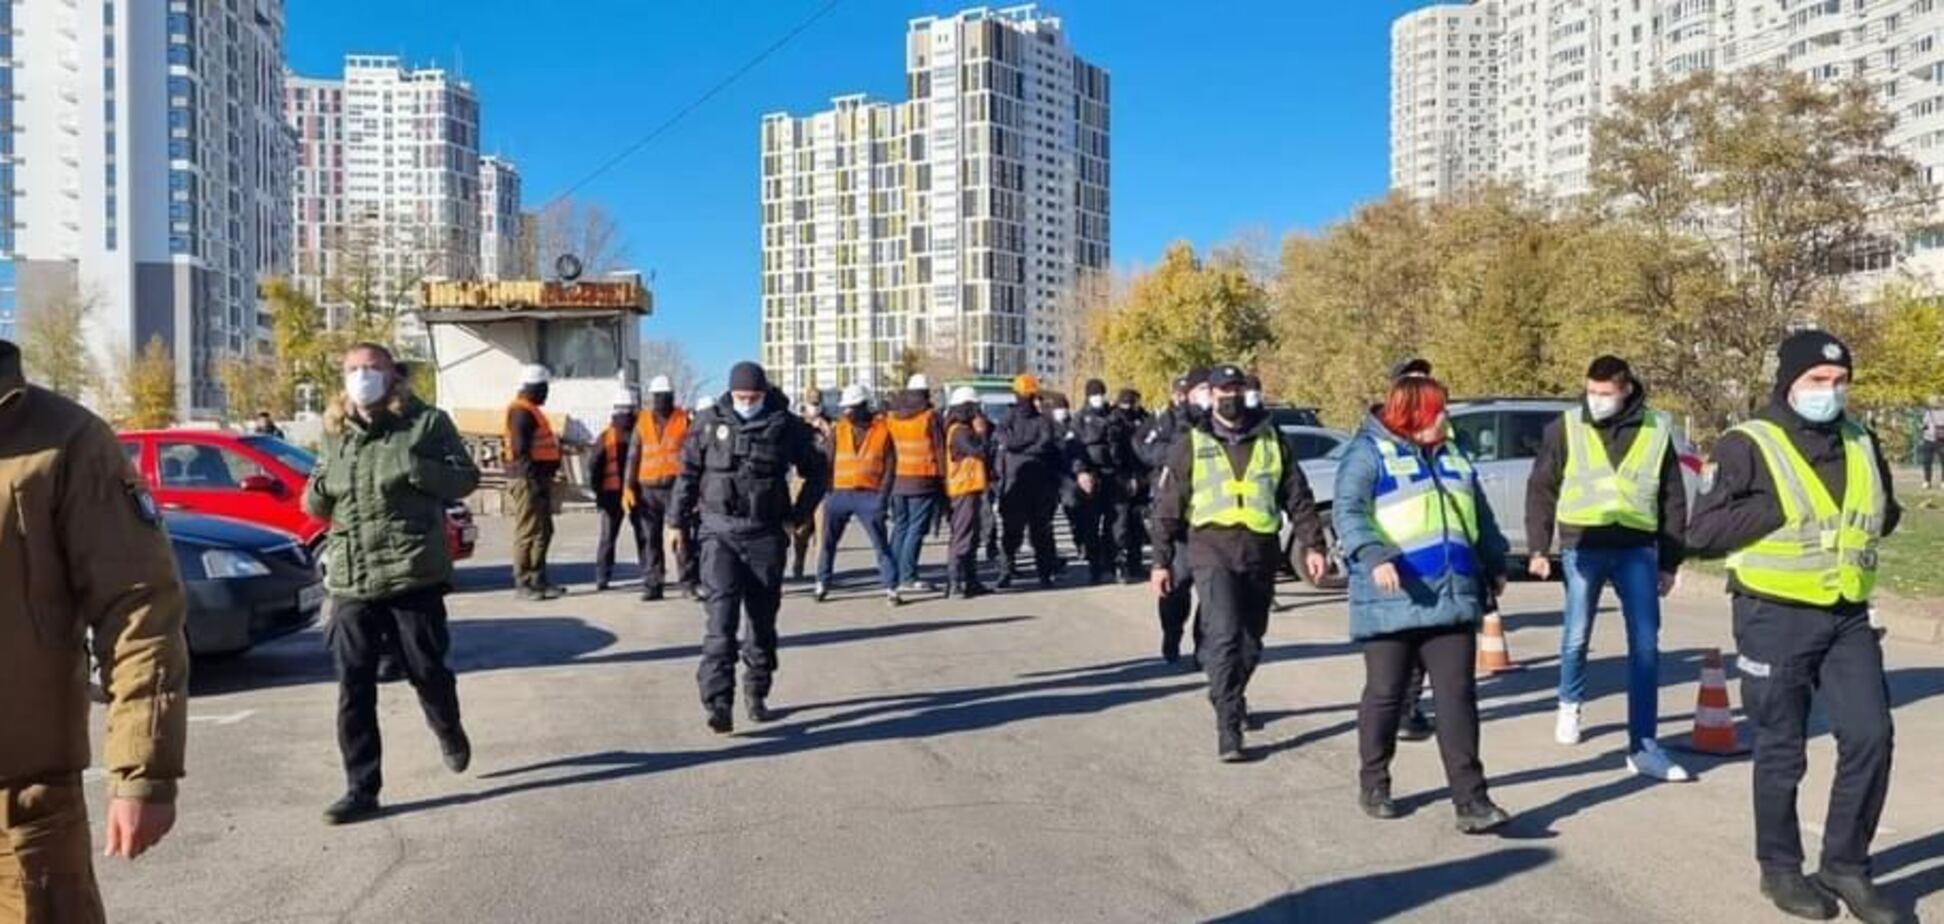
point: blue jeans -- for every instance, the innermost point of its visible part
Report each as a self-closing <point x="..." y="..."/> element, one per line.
<point x="911" y="518"/>
<point x="867" y="507"/>
<point x="1635" y="576"/>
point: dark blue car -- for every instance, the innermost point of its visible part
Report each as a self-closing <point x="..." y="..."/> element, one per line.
<point x="246" y="584"/>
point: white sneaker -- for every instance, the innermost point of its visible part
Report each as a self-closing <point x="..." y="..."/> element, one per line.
<point x="1650" y="761"/>
<point x="1567" y="731"/>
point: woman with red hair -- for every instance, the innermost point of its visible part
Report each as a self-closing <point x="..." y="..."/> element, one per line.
<point x="1425" y="554"/>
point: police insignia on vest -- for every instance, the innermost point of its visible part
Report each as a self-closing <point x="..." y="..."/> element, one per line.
<point x="722" y="432"/>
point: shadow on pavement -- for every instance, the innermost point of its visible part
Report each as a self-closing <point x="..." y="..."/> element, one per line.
<point x="510" y="644"/>
<point x="881" y="718"/>
<point x="1916" y="886"/>
<point x="1382" y="896"/>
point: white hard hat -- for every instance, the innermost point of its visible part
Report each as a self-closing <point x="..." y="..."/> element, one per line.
<point x="625" y="398"/>
<point x="918" y="383"/>
<point x="659" y="385"/>
<point x="855" y="395"/>
<point x="964" y="394"/>
<point x="533" y="374"/>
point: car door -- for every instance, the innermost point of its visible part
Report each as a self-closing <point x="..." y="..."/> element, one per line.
<point x="1521" y="433"/>
<point x="1482" y="436"/>
<point x="207" y="477"/>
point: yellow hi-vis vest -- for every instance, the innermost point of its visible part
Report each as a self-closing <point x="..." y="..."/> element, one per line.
<point x="1593" y="492"/>
<point x="1220" y="498"/>
<point x="1823" y="553"/>
<point x="1423" y="506"/>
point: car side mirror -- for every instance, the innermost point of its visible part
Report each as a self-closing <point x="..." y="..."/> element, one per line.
<point x="263" y="484"/>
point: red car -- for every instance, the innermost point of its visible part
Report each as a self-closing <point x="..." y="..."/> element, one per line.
<point x="256" y="479"/>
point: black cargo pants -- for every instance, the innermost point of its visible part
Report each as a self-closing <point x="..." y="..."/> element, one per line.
<point x="413" y="624"/>
<point x="742" y="575"/>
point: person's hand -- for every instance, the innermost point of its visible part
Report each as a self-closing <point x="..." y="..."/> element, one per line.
<point x="1385" y="576"/>
<point x="1162" y="581"/>
<point x="1667" y="580"/>
<point x="134" y="826"/>
<point x="1540" y="566"/>
<point x="1316" y="566"/>
<point x="676" y="542"/>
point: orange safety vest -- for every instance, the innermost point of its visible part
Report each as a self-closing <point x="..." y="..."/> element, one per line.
<point x="546" y="446"/>
<point x="967" y="475"/>
<point x="917" y="457"/>
<point x="661" y="453"/>
<point x="860" y="468"/>
<point x="611" y="460"/>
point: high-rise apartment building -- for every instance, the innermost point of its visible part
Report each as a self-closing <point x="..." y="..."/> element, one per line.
<point x="500" y="225"/>
<point x="145" y="170"/>
<point x="1444" y="97"/>
<point x="1562" y="63"/>
<point x="388" y="181"/>
<point x="970" y="220"/>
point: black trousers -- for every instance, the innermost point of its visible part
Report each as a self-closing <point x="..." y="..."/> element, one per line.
<point x="742" y="576"/>
<point x="1787" y="654"/>
<point x="1096" y="526"/>
<point x="1179" y="605"/>
<point x="1928" y="452"/>
<point x="652" y="507"/>
<point x="612" y="516"/>
<point x="1029" y="511"/>
<point x="412" y="624"/>
<point x="1449" y="655"/>
<point x="1235" y="616"/>
<point x="1130" y="530"/>
<point x="968" y="526"/>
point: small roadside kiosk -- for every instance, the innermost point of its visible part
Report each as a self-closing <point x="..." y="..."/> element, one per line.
<point x="586" y="332"/>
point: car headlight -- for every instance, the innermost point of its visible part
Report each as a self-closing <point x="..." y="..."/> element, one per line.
<point x="226" y="563"/>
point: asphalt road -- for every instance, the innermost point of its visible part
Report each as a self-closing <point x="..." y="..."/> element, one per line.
<point x="1023" y="757"/>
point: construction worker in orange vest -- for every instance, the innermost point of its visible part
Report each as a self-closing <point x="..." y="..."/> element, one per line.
<point x="654" y="462"/>
<point x="863" y="463"/>
<point x="967" y="437"/>
<point x="614" y="497"/>
<point x="531" y="452"/>
<point x="920" y="485"/>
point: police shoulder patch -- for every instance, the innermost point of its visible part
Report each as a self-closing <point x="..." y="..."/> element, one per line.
<point x="722" y="433"/>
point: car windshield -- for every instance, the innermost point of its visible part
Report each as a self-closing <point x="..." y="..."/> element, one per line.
<point x="299" y="460"/>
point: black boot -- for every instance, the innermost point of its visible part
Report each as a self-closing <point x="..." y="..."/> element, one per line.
<point x="1377" y="803"/>
<point x="1171" y="647"/>
<point x="757" y="710"/>
<point x="1006" y="575"/>
<point x="651" y="593"/>
<point x="721" y="721"/>
<point x="354" y="807"/>
<point x="1481" y="817"/>
<point x="969" y="586"/>
<point x="1228" y="743"/>
<point x="1796" y="895"/>
<point x="456" y="751"/>
<point x="1861" y="897"/>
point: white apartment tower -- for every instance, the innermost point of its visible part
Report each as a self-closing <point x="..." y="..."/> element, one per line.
<point x="144" y="165"/>
<point x="1444" y="97"/>
<point x="970" y="220"/>
<point x="388" y="180"/>
<point x="1561" y="63"/>
<point x="499" y="218"/>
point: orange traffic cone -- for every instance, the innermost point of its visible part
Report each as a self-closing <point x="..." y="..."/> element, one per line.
<point x="1714" y="718"/>
<point x="1493" y="655"/>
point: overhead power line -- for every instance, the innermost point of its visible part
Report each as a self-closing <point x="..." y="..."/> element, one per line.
<point x="697" y="103"/>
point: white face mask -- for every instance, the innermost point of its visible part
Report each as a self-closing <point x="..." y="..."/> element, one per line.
<point x="1820" y="405"/>
<point x="1061" y="414"/>
<point x="365" y="387"/>
<point x="1603" y="407"/>
<point x="1096" y="401"/>
<point x="1203" y="400"/>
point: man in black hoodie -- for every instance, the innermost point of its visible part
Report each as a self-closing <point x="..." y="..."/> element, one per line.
<point x="1214" y="496"/>
<point x="1154" y="447"/>
<point x="735" y="484"/>
<point x="1798" y="499"/>
<point x="1033" y="460"/>
<point x="1100" y="462"/>
<point x="1608" y="477"/>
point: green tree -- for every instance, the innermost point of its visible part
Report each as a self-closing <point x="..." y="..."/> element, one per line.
<point x="1185" y="312"/>
<point x="305" y="353"/>
<point x="148" y="388"/>
<point x="251" y="385"/>
<point x="54" y="345"/>
<point x="1750" y="195"/>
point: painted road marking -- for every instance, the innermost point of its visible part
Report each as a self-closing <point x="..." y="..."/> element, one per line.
<point x="229" y="719"/>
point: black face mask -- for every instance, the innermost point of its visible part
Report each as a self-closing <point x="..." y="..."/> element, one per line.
<point x="663" y="404"/>
<point x="1231" y="407"/>
<point x="623" y="421"/>
<point x="859" y="414"/>
<point x="537" y="394"/>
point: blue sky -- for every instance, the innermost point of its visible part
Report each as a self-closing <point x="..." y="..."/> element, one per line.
<point x="1232" y="117"/>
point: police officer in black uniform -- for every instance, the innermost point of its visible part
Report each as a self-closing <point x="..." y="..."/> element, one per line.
<point x="735" y="485"/>
<point x="1800" y="588"/>
<point x="1153" y="447"/>
<point x="1101" y="462"/>
<point x="1130" y="526"/>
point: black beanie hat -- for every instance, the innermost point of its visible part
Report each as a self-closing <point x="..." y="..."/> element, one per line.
<point x="748" y="376"/>
<point x="1803" y="351"/>
<point x="1128" y="396"/>
<point x="1096" y="387"/>
<point x="1197" y="377"/>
